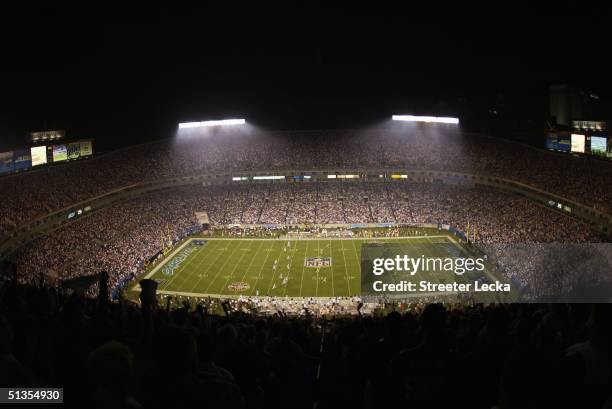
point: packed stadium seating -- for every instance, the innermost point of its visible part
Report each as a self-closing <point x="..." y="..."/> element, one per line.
<point x="38" y="192"/>
<point x="120" y="238"/>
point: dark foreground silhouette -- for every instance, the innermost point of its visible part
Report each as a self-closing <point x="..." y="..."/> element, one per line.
<point x="124" y="355"/>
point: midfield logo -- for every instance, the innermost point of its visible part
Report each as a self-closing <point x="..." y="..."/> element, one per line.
<point x="317" y="262"/>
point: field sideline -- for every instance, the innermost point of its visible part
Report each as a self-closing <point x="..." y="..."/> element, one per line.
<point x="312" y="267"/>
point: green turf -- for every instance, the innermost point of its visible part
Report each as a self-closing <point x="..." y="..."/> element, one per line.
<point x="217" y="266"/>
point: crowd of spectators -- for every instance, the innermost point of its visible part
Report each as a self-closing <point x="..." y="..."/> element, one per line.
<point x="36" y="193"/>
<point x="124" y="355"/>
<point x="578" y="271"/>
<point x="122" y="237"/>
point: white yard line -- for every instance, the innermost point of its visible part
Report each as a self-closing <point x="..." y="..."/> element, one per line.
<point x="290" y="264"/>
<point x="208" y="269"/>
<point x="191" y="271"/>
<point x="356" y="253"/>
<point x="318" y="255"/>
<point x="176" y="273"/>
<point x="346" y="269"/>
<point x="261" y="269"/>
<point x="221" y="269"/>
<point x="239" y="261"/>
<point x="303" y="268"/>
<point x="332" y="268"/>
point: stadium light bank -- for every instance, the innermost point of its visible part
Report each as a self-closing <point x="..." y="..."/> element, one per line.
<point x="206" y="124"/>
<point x="429" y="119"/>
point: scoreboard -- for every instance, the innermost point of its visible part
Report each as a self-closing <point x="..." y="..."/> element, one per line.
<point x="22" y="159"/>
<point x="79" y="149"/>
<point x="580" y="142"/>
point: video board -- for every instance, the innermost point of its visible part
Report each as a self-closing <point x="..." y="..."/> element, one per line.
<point x="38" y="155"/>
<point x="594" y="144"/>
<point x="60" y="153"/>
<point x="578" y="143"/>
<point x="564" y="142"/>
<point x="22" y="159"/>
<point x="551" y="141"/>
<point x="86" y="148"/>
<point x="79" y="149"/>
<point x="73" y="150"/>
<point x="598" y="145"/>
<point x="6" y="162"/>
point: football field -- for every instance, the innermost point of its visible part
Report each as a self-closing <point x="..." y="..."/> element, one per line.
<point x="283" y="267"/>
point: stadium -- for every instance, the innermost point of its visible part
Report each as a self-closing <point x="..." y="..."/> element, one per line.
<point x="255" y="194"/>
<point x="230" y="264"/>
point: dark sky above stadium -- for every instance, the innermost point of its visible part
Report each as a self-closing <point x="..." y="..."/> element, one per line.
<point x="123" y="77"/>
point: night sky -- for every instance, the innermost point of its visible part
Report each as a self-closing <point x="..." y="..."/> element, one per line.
<point x="130" y="76"/>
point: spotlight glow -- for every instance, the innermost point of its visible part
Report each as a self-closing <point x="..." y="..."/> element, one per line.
<point x="221" y="122"/>
<point x="434" y="119"/>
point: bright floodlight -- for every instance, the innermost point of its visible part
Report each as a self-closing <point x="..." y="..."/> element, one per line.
<point x="436" y="119"/>
<point x="221" y="122"/>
